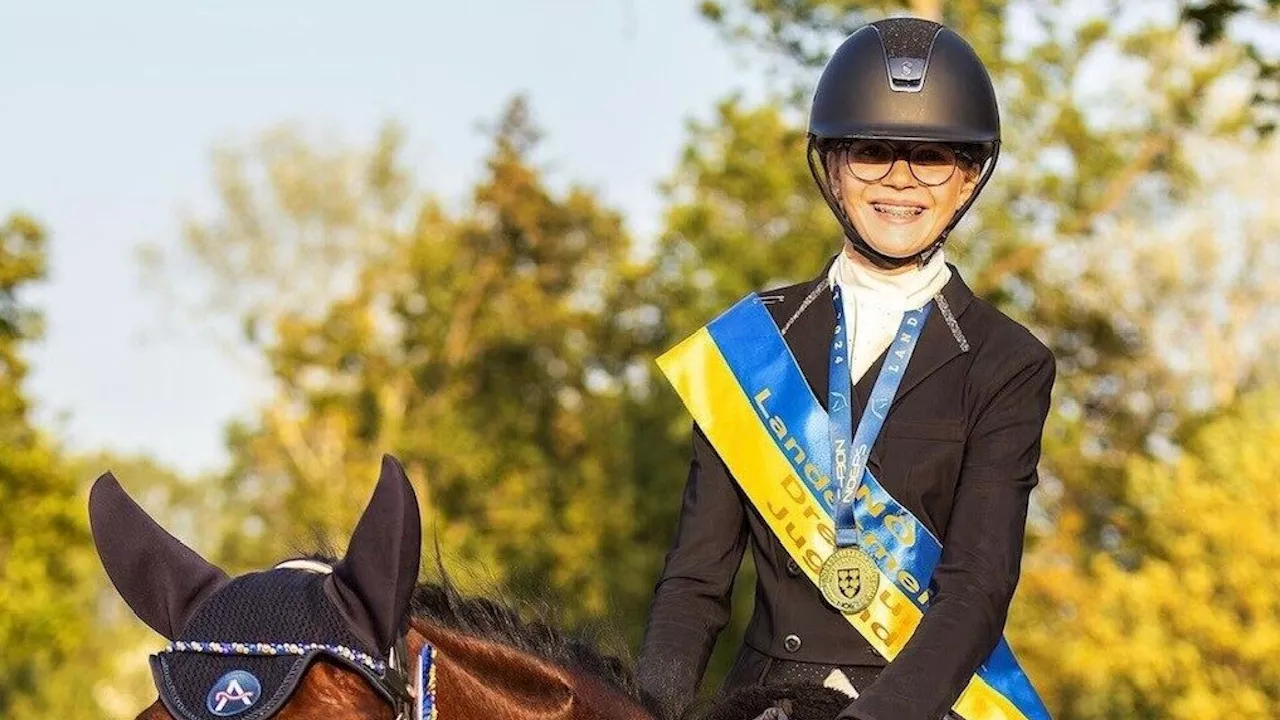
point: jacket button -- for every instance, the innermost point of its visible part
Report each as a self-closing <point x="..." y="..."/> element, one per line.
<point x="792" y="568"/>
<point x="791" y="643"/>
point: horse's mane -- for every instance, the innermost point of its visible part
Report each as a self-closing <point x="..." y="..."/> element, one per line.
<point x="500" y="620"/>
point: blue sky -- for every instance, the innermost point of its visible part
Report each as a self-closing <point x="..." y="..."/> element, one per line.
<point x="108" y="112"/>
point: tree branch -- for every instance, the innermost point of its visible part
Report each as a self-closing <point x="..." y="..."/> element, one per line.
<point x="459" y="336"/>
<point x="1152" y="148"/>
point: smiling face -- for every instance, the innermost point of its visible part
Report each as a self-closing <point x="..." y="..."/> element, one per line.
<point x="898" y="214"/>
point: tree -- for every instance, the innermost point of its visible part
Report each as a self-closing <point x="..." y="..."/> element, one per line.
<point x="71" y="647"/>
<point x="501" y="353"/>
<point x="1193" y="629"/>
<point x="47" y="566"/>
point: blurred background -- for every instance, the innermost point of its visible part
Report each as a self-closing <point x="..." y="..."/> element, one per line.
<point x="247" y="247"/>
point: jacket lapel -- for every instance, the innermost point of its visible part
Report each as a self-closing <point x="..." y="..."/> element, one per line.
<point x="809" y="336"/>
<point x="937" y="345"/>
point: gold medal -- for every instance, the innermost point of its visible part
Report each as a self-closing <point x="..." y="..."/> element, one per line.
<point x="849" y="580"/>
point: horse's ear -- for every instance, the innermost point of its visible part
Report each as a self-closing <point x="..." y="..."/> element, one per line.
<point x="162" y="580"/>
<point x="374" y="581"/>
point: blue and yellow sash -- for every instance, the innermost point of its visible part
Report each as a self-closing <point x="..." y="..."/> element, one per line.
<point x="740" y="382"/>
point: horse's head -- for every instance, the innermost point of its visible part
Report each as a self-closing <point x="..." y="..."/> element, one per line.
<point x="297" y="640"/>
<point x="310" y="640"/>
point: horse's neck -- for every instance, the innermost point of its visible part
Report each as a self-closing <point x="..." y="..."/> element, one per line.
<point x="482" y="678"/>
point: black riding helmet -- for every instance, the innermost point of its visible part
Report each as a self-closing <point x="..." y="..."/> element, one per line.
<point x="903" y="79"/>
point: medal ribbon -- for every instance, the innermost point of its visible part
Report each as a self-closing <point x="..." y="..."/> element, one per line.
<point x="849" y="471"/>
<point x="743" y="387"/>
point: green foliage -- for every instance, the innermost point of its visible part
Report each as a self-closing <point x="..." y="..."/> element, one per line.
<point x="46" y="568"/>
<point x="742" y="216"/>
<point x="500" y="353"/>
<point x="22" y="261"/>
<point x="1192" y="630"/>
<point x="61" y="623"/>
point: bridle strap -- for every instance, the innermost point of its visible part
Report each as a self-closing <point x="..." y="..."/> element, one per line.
<point x="397" y="683"/>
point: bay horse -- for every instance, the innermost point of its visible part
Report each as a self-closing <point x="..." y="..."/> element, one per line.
<point x="358" y="638"/>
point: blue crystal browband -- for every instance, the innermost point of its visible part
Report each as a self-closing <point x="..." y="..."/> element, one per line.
<point x="271" y="649"/>
<point x="424" y="690"/>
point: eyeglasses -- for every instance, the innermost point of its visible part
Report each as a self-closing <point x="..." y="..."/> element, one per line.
<point x="871" y="160"/>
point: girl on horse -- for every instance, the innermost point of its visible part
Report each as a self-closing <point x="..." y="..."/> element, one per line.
<point x="872" y="433"/>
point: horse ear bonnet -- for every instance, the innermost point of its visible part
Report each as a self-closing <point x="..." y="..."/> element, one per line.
<point x="239" y="647"/>
<point x="196" y="684"/>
